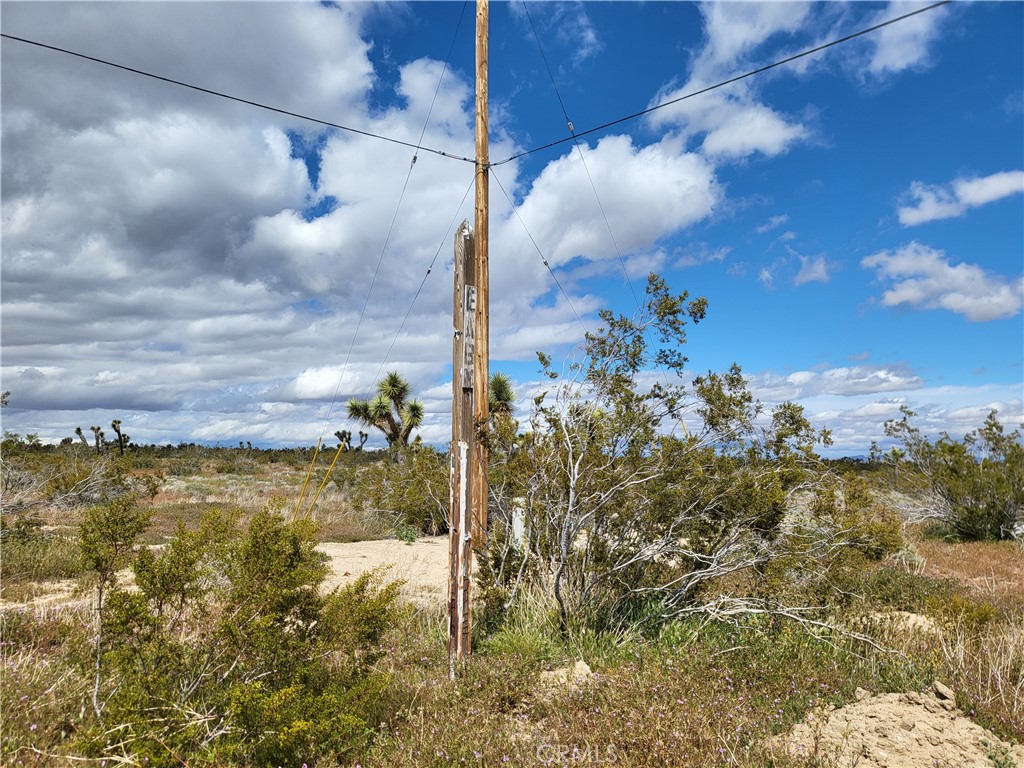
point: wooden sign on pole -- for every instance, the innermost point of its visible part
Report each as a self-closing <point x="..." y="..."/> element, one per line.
<point x="468" y="336"/>
<point x="460" y="533"/>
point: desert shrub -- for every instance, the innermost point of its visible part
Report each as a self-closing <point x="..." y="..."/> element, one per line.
<point x="900" y="590"/>
<point x="411" y="486"/>
<point x="229" y="654"/>
<point x="67" y="477"/>
<point x="976" y="485"/>
<point x="185" y="465"/>
<point x="528" y="627"/>
<point x="239" y="462"/>
<point x="832" y="546"/>
<point x="869" y="527"/>
<point x="31" y="554"/>
<point x="498" y="575"/>
<point x="962" y="611"/>
<point x="624" y="523"/>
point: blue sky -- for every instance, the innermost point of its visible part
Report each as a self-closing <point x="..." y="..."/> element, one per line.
<point x="198" y="268"/>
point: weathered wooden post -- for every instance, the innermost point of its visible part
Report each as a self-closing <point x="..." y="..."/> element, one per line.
<point x="460" y="526"/>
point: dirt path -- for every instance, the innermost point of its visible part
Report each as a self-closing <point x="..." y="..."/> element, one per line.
<point x="423" y="565"/>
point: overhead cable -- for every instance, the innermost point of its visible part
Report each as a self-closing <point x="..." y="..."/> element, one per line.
<point x="369" y="292"/>
<point x="549" y="145"/>
<point x="408" y="312"/>
<point x="376" y="271"/>
<point x="540" y="253"/>
<point x="426" y="122"/>
<point x="731" y="80"/>
<point x="251" y="103"/>
<point x="387" y="239"/>
<point x="583" y="159"/>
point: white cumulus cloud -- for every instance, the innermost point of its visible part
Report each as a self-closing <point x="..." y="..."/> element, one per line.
<point x="734" y="122"/>
<point x="923" y="278"/>
<point x="846" y="381"/>
<point x="906" y="45"/>
<point x="646" y="192"/>
<point x="931" y="202"/>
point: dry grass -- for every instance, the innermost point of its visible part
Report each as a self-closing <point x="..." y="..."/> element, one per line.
<point x="43" y="691"/>
<point x="185" y="499"/>
<point x="978" y="610"/>
<point x="993" y="571"/>
<point x="987" y="667"/>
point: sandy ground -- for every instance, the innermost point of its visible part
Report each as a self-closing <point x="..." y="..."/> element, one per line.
<point x="422" y="565"/>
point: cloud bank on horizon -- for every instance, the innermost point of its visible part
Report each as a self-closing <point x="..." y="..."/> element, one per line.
<point x="204" y="270"/>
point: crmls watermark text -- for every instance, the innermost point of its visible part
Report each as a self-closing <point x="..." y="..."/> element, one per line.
<point x="580" y="754"/>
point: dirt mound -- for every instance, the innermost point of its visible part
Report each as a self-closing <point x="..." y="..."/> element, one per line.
<point x="576" y="676"/>
<point x="899" y="730"/>
<point x="903" y="622"/>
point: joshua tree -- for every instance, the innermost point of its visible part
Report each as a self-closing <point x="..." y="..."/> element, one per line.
<point x="502" y="396"/>
<point x="391" y="411"/>
<point x="345" y="438"/>
<point x="116" y="426"/>
<point x="98" y="434"/>
<point x="81" y="436"/>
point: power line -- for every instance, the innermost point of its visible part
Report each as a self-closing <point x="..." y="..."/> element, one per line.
<point x="583" y="160"/>
<point x="549" y="145"/>
<point x="441" y="245"/>
<point x="731" y="80"/>
<point x="366" y="301"/>
<point x="444" y="69"/>
<point x="408" y="312"/>
<point x="574" y="137"/>
<point x="238" y="99"/>
<point x="391" y="229"/>
<point x="540" y="253"/>
<point x="544" y="58"/>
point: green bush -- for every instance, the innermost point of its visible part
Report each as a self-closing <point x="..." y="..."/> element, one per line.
<point x="977" y="483"/>
<point x="31" y="554"/>
<point x="963" y="611"/>
<point x="902" y="591"/>
<point x="229" y="654"/>
<point x="411" y="486"/>
<point x="38" y="559"/>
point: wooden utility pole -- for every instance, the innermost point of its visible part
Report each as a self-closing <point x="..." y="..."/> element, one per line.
<point x="481" y="383"/>
<point x="467" y="526"/>
<point x="460" y="528"/>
